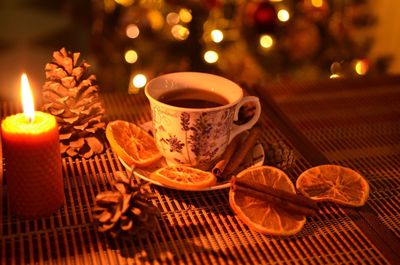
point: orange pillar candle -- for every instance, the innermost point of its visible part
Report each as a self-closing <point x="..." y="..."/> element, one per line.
<point x="32" y="162"/>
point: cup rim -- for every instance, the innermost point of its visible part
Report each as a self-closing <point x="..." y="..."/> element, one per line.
<point x="197" y="75"/>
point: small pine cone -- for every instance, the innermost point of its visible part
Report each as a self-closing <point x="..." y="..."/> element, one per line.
<point x="279" y="155"/>
<point x="125" y="211"/>
<point x="71" y="95"/>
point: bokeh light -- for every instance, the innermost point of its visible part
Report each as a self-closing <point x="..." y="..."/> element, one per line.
<point x="172" y="18"/>
<point x="361" y="67"/>
<point x="211" y="56"/>
<point x="125" y="2"/>
<point x="132" y="31"/>
<point x="317" y="3"/>
<point x="333" y="76"/>
<point x="336" y="68"/>
<point x="185" y="15"/>
<point x="283" y="15"/>
<point x="156" y="19"/>
<point x="180" y="32"/>
<point x="139" y="80"/>
<point x="266" y="41"/>
<point x="131" y="56"/>
<point x="217" y="36"/>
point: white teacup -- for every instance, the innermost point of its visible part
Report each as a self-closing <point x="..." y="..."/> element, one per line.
<point x="193" y="115"/>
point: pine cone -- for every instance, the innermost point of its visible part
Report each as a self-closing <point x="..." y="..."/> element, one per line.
<point x="125" y="211"/>
<point x="279" y="155"/>
<point x="73" y="99"/>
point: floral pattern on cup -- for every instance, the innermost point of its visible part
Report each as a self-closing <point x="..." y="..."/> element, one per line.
<point x="196" y="136"/>
<point x="193" y="129"/>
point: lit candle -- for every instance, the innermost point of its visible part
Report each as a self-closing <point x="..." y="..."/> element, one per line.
<point x="32" y="160"/>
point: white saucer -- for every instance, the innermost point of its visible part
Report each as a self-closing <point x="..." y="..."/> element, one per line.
<point x="254" y="158"/>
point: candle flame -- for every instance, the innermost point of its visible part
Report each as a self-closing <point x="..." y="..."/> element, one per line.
<point x="27" y="98"/>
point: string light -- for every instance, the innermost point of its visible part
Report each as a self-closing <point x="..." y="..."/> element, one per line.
<point x="125" y="2"/>
<point x="211" y="56"/>
<point x="333" y="76"/>
<point x="156" y="19"/>
<point x="217" y="36"/>
<point x="172" y="18"/>
<point x="139" y="80"/>
<point x="131" y="56"/>
<point x="361" y="67"/>
<point x="336" y="69"/>
<point x="136" y="82"/>
<point x="132" y="31"/>
<point x="185" y="15"/>
<point x="266" y="41"/>
<point x="283" y="15"/>
<point x="317" y="3"/>
<point x="180" y="32"/>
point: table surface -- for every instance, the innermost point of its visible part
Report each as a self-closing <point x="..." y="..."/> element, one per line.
<point x="350" y="123"/>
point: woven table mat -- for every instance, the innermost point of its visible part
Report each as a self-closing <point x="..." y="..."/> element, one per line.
<point x="354" y="124"/>
<point x="194" y="227"/>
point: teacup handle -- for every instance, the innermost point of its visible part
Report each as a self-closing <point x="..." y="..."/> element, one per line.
<point x="236" y="129"/>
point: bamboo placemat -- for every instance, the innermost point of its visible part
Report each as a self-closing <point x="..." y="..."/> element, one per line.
<point x="354" y="123"/>
<point x="194" y="227"/>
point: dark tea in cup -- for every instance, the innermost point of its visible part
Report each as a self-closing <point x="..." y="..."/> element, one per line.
<point x="193" y="116"/>
<point x="193" y="98"/>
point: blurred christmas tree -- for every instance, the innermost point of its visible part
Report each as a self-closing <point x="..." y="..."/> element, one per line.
<point x="246" y="41"/>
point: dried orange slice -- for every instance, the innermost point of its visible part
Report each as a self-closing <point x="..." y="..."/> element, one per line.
<point x="334" y="183"/>
<point x="261" y="215"/>
<point x="131" y="143"/>
<point x="184" y="178"/>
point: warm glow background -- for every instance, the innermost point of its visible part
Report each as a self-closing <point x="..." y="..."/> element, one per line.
<point x="32" y="30"/>
<point x="387" y="32"/>
<point x="26" y="27"/>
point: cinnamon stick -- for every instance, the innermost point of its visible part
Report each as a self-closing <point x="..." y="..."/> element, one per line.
<point x="226" y="156"/>
<point x="285" y="195"/>
<point x="241" y="153"/>
<point x="290" y="202"/>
